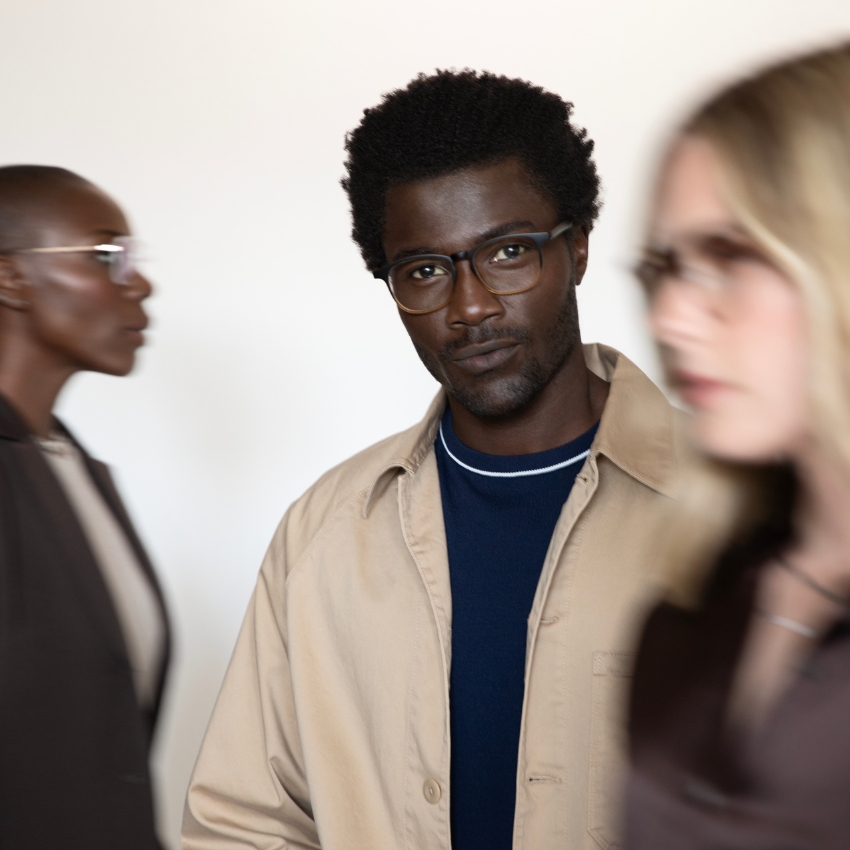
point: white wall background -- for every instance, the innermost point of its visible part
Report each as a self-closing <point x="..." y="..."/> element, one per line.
<point x="274" y="355"/>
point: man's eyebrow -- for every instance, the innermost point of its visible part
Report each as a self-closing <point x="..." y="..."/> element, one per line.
<point x="506" y="228"/>
<point x="411" y="252"/>
<point x="492" y="233"/>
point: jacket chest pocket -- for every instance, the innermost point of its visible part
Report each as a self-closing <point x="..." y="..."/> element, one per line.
<point x="612" y="673"/>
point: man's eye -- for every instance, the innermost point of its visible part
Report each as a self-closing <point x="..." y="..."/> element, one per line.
<point x="509" y="252"/>
<point x="428" y="272"/>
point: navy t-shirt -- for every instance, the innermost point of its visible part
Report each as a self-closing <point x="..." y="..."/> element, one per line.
<point x="499" y="514"/>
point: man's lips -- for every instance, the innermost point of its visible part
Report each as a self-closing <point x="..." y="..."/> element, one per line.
<point x="481" y="356"/>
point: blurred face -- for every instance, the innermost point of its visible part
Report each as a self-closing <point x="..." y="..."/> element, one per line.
<point x="731" y="325"/>
<point x="494" y="354"/>
<point x="75" y="314"/>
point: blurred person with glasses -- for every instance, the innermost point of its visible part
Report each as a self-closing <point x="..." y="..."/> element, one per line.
<point x="742" y="683"/>
<point x="83" y="631"/>
<point x="437" y="649"/>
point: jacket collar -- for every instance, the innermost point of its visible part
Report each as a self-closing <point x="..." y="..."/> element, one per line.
<point x="636" y="432"/>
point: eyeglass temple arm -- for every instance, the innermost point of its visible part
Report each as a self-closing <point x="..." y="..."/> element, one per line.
<point x="563" y="227"/>
<point x="73" y="248"/>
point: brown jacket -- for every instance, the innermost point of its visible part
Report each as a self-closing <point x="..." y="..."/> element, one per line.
<point x="332" y="726"/>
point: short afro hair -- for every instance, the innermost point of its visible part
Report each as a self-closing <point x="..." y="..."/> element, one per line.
<point x="451" y="120"/>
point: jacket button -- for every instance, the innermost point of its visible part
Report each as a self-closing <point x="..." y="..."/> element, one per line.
<point x="432" y="791"/>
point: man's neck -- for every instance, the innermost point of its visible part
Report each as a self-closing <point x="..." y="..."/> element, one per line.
<point x="567" y="407"/>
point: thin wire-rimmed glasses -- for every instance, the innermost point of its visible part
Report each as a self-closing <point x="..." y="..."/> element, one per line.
<point x="506" y="265"/>
<point x="120" y="255"/>
<point x="658" y="267"/>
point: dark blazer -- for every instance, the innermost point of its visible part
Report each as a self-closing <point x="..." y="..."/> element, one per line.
<point x="74" y="743"/>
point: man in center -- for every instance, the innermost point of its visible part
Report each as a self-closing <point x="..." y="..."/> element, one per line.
<point x="439" y="642"/>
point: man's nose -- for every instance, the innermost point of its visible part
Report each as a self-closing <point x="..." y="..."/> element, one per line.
<point x="471" y="302"/>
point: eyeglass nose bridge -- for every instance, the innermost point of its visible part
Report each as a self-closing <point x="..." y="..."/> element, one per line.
<point x="467" y="256"/>
<point x="459" y="257"/>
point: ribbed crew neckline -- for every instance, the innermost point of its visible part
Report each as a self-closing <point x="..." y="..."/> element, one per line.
<point x="513" y="466"/>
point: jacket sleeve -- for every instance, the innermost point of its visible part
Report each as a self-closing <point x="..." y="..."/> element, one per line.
<point x="249" y="788"/>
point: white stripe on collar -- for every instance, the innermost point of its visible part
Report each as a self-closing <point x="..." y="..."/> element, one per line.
<point x="519" y="474"/>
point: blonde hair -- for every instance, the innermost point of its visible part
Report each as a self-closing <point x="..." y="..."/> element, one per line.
<point x="782" y="137"/>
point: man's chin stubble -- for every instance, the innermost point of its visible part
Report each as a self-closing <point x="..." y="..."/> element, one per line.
<point x="492" y="398"/>
<point x="488" y="396"/>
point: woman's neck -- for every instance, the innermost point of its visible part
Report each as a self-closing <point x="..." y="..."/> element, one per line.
<point x="822" y="517"/>
<point x="31" y="385"/>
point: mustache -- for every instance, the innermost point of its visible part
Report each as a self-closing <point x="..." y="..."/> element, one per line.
<point x="483" y="333"/>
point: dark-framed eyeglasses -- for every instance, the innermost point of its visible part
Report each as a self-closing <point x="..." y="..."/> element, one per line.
<point x="506" y="265"/>
<point x="121" y="255"/>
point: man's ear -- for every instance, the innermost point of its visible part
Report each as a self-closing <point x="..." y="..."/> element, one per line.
<point x="13" y="288"/>
<point x="580" y="250"/>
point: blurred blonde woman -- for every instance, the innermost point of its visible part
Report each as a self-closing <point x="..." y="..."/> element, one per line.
<point x="740" y="715"/>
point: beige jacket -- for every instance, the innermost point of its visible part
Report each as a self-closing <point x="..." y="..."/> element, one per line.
<point x="332" y="727"/>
